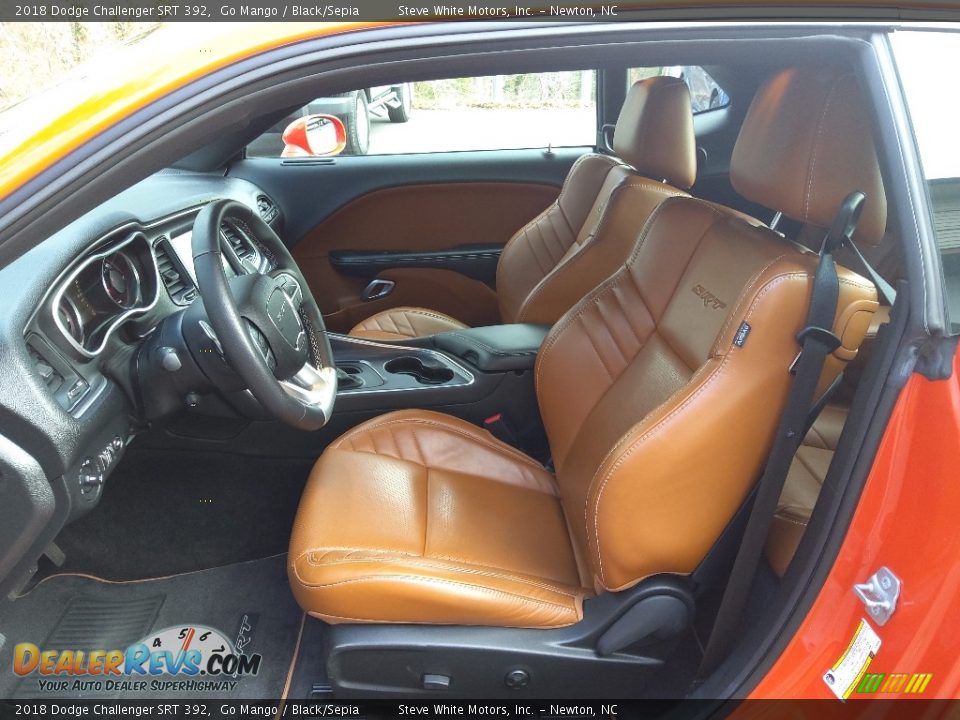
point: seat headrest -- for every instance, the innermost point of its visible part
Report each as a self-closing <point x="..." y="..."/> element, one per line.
<point x="805" y="144"/>
<point x="654" y="131"/>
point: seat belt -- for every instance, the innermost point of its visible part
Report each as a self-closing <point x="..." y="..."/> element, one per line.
<point x="817" y="340"/>
<point x="883" y="287"/>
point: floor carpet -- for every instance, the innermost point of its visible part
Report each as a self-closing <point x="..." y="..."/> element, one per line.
<point x="248" y="603"/>
<point x="165" y="512"/>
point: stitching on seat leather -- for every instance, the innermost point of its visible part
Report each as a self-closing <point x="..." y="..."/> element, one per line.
<point x="420" y="579"/>
<point x="435" y="316"/>
<point x="502" y="449"/>
<point x="593" y="298"/>
<point x="798" y="457"/>
<point x="816" y="149"/>
<point x="347" y="618"/>
<point x="571" y="316"/>
<point x="558" y="204"/>
<point x="747" y="290"/>
<point x="562" y="266"/>
<point x="715" y="373"/>
<point x="660" y="425"/>
<point x="377" y="322"/>
<point x="429" y="563"/>
<point x="328" y="550"/>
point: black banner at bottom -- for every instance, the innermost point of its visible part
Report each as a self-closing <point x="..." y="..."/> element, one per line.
<point x="541" y="710"/>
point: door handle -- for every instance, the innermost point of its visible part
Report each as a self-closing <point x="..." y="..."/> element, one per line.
<point x="377" y="289"/>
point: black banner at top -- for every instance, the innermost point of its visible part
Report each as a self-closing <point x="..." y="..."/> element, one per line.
<point x="300" y="10"/>
<point x="427" y="10"/>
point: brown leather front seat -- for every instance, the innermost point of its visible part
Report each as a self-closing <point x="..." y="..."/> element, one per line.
<point x="660" y="392"/>
<point x="587" y="233"/>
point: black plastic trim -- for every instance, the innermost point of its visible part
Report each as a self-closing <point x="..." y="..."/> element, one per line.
<point x="495" y="348"/>
<point x="371" y="660"/>
<point x="475" y="261"/>
<point x="27" y="508"/>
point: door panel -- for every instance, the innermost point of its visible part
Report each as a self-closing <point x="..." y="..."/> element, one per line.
<point x="426" y="203"/>
<point x="469" y="301"/>
<point x="423" y="218"/>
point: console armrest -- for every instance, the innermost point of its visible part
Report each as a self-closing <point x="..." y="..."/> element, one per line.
<point x="496" y="348"/>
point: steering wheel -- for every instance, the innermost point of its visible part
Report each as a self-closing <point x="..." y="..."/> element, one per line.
<point x="268" y="324"/>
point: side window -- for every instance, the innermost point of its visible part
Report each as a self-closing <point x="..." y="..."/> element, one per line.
<point x="496" y="112"/>
<point x="922" y="58"/>
<point x="705" y="93"/>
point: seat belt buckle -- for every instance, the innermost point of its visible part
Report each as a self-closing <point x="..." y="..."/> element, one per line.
<point x="498" y="426"/>
<point x="818" y="334"/>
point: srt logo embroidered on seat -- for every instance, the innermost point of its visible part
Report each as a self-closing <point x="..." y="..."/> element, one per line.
<point x="709" y="299"/>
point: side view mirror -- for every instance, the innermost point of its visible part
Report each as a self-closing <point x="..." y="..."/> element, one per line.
<point x="314" y="136"/>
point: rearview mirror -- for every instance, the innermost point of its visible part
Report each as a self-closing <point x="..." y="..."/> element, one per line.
<point x="314" y="136"/>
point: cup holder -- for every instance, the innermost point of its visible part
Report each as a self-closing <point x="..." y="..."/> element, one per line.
<point x="431" y="372"/>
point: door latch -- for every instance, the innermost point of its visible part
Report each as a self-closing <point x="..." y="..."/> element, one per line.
<point x="377" y="288"/>
<point x="880" y="594"/>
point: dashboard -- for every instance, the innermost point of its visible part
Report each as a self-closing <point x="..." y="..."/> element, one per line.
<point x="76" y="309"/>
<point x="117" y="291"/>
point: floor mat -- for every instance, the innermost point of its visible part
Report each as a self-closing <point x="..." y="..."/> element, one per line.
<point x="210" y="509"/>
<point x="249" y="603"/>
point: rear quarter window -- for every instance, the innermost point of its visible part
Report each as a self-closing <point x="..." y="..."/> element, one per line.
<point x="927" y="61"/>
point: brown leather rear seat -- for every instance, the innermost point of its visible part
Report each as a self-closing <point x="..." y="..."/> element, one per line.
<point x="802" y="487"/>
<point x="813" y="458"/>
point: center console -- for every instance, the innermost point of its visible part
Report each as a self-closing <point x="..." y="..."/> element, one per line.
<point x="482" y="375"/>
<point x="367" y="371"/>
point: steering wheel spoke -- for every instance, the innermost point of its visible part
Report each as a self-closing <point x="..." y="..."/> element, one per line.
<point x="313" y="386"/>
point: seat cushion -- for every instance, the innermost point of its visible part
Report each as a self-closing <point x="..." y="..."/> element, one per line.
<point x="416" y="516"/>
<point x="404" y="323"/>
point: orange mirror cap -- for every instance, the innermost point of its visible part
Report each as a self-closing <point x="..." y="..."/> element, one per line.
<point x="314" y="136"/>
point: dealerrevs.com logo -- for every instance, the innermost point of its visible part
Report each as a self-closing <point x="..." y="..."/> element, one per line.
<point x="185" y="658"/>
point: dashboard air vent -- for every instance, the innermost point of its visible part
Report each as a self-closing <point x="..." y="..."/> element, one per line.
<point x="180" y="287"/>
<point x="268" y="209"/>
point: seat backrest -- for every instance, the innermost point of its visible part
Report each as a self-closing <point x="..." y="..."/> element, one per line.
<point x="661" y="390"/>
<point x="567" y="250"/>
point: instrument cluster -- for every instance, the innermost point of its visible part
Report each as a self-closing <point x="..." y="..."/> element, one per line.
<point x="106" y="288"/>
